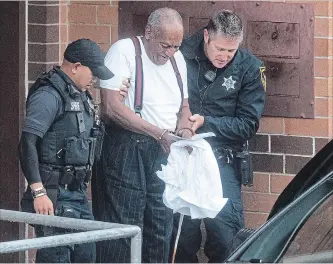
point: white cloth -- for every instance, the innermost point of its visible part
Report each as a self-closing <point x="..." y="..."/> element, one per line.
<point x="161" y="93"/>
<point x="192" y="181"/>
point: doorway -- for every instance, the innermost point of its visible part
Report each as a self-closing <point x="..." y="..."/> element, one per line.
<point x="12" y="91"/>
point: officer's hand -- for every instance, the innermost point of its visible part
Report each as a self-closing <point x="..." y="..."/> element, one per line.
<point x="185" y="133"/>
<point x="124" y="88"/>
<point x="166" y="142"/>
<point x="43" y="205"/>
<point x="197" y="120"/>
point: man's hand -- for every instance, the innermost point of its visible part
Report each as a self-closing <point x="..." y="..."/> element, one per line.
<point x="197" y="120"/>
<point x="124" y="88"/>
<point x="43" y="205"/>
<point x="166" y="142"/>
<point x="185" y="132"/>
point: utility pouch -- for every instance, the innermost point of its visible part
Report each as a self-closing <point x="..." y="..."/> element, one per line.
<point x="77" y="150"/>
<point x="67" y="175"/>
<point x="244" y="168"/>
<point x="79" y="178"/>
<point x="50" y="179"/>
<point x="92" y="151"/>
<point x="98" y="133"/>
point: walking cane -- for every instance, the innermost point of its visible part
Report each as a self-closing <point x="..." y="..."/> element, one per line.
<point x="177" y="238"/>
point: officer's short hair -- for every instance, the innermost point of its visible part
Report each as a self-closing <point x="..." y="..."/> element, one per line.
<point x="227" y="24"/>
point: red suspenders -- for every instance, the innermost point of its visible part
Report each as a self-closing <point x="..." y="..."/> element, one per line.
<point x="139" y="78"/>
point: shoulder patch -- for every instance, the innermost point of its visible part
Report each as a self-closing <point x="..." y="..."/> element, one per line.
<point x="263" y="76"/>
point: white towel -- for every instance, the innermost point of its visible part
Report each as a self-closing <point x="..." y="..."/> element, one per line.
<point x="193" y="184"/>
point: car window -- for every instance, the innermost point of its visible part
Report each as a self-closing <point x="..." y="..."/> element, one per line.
<point x="315" y="237"/>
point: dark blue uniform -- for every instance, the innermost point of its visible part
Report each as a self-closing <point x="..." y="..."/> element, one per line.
<point x="232" y="105"/>
<point x="62" y="118"/>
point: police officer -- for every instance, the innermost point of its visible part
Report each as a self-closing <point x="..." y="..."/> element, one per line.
<point x="226" y="96"/>
<point x="58" y="143"/>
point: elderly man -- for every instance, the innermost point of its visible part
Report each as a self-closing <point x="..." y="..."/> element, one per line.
<point x="138" y="138"/>
<point x="226" y="95"/>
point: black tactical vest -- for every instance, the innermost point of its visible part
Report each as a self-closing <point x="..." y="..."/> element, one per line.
<point x="68" y="141"/>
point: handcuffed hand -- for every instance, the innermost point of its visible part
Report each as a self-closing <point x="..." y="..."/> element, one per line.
<point x="166" y="141"/>
<point x="185" y="132"/>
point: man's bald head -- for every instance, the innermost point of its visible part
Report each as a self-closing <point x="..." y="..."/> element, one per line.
<point x="163" y="17"/>
<point x="163" y="35"/>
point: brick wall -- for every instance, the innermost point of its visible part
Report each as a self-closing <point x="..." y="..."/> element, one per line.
<point x="284" y="145"/>
<point x="43" y="49"/>
<point x="43" y="37"/>
<point x="96" y="20"/>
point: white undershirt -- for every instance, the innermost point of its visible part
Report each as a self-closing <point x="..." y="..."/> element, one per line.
<point x="161" y="93"/>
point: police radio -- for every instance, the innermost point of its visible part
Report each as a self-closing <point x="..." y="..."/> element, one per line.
<point x="210" y="75"/>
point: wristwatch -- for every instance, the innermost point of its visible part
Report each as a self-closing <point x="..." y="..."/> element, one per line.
<point x="38" y="192"/>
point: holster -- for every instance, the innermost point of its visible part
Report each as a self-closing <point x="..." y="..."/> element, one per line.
<point x="241" y="160"/>
<point x="98" y="132"/>
<point x="243" y="164"/>
<point x="73" y="177"/>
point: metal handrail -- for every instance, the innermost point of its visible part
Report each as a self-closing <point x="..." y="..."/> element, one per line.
<point x="94" y="231"/>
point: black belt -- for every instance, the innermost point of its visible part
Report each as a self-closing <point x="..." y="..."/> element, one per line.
<point x="74" y="176"/>
<point x="71" y="175"/>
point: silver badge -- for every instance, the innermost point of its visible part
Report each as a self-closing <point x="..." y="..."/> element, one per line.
<point x="75" y="106"/>
<point x="229" y="83"/>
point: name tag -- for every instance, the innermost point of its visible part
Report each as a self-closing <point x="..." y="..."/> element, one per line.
<point x="74" y="106"/>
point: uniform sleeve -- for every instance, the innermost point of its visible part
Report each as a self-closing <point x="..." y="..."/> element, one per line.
<point x="42" y="108"/>
<point x="117" y="61"/>
<point x="183" y="72"/>
<point x="29" y="157"/>
<point x="250" y="106"/>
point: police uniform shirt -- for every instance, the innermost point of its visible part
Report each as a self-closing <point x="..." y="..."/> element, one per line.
<point x="233" y="103"/>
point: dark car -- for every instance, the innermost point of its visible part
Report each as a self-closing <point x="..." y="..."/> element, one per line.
<point x="299" y="228"/>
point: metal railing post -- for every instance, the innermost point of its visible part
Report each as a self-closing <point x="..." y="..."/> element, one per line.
<point x="136" y="244"/>
<point x="93" y="231"/>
